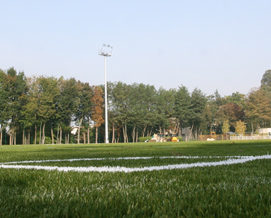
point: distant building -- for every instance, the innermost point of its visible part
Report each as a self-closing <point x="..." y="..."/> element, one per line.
<point x="264" y="131"/>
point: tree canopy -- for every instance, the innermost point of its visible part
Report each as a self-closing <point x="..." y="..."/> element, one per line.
<point x="57" y="110"/>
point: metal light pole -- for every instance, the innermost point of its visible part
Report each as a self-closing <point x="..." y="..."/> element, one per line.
<point x="106" y="51"/>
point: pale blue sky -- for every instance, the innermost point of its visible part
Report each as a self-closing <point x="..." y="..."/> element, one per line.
<point x="205" y="44"/>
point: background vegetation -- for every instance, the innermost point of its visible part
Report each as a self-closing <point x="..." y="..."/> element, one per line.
<point x="44" y="110"/>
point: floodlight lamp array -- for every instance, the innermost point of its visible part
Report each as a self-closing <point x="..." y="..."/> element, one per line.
<point x="106" y="50"/>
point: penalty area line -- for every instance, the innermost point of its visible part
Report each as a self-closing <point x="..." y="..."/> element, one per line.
<point x="124" y="158"/>
<point x="136" y="169"/>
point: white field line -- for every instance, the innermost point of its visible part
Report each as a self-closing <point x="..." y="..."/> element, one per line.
<point x="123" y="158"/>
<point x="137" y="169"/>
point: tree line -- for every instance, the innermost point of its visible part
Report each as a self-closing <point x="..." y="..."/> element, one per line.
<point x="41" y="110"/>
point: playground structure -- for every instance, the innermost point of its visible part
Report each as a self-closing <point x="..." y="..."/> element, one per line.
<point x="163" y="138"/>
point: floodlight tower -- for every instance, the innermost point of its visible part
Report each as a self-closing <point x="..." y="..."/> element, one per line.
<point x="105" y="51"/>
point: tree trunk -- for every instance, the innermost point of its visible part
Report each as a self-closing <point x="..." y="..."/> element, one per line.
<point x="118" y="132"/>
<point x="179" y="130"/>
<point x="78" y="135"/>
<point x="1" y="135"/>
<point x="60" y="135"/>
<point x="40" y="141"/>
<point x="191" y="131"/>
<point x="68" y="138"/>
<point x="125" y="136"/>
<point x="28" y="138"/>
<point x="10" y="139"/>
<point x="23" y="138"/>
<point x="84" y="137"/>
<point x="149" y="132"/>
<point x="43" y="134"/>
<point x="14" y="140"/>
<point x="134" y="134"/>
<point x="52" y="135"/>
<point x="137" y="135"/>
<point x="79" y="128"/>
<point x="57" y="134"/>
<point x="35" y="139"/>
<point x="123" y="132"/>
<point x="88" y="136"/>
<point x="113" y="133"/>
<point x="144" y="130"/>
<point x="96" y="135"/>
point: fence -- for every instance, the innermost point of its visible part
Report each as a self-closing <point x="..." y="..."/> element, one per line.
<point x="215" y="137"/>
<point x="252" y="137"/>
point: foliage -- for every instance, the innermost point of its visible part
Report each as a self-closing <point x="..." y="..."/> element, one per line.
<point x="197" y="107"/>
<point x="231" y="112"/>
<point x="182" y="106"/>
<point x="240" y="127"/>
<point x="236" y="98"/>
<point x="225" y="127"/>
<point x="143" y="139"/>
<point x="180" y="138"/>
<point x="266" y="80"/>
<point x="258" y="109"/>
<point x="97" y="109"/>
<point x="35" y="107"/>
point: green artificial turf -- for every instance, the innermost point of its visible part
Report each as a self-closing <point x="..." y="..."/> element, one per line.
<point x="241" y="190"/>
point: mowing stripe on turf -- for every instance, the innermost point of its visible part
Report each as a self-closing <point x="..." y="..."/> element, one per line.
<point x="137" y="169"/>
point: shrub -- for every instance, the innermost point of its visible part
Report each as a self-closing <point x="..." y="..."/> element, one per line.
<point x="180" y="138"/>
<point x="47" y="140"/>
<point x="143" y="139"/>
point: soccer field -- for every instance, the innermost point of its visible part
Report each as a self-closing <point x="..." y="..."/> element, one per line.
<point x="218" y="179"/>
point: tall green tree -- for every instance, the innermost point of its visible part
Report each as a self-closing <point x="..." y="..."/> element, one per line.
<point x="84" y="107"/>
<point x="266" y="80"/>
<point x="165" y="110"/>
<point x="15" y="87"/>
<point x="66" y="106"/>
<point x="48" y="93"/>
<point x="231" y="112"/>
<point x="119" y="103"/>
<point x="97" y="109"/>
<point x="258" y="109"/>
<point x="3" y="103"/>
<point x="182" y="107"/>
<point x="236" y="98"/>
<point x="197" y="107"/>
<point x="30" y="109"/>
<point x="211" y="120"/>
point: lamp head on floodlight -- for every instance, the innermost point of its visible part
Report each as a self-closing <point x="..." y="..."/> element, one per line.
<point x="106" y="50"/>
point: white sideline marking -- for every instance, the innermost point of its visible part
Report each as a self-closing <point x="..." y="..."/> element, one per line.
<point x="124" y="158"/>
<point x="240" y="160"/>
